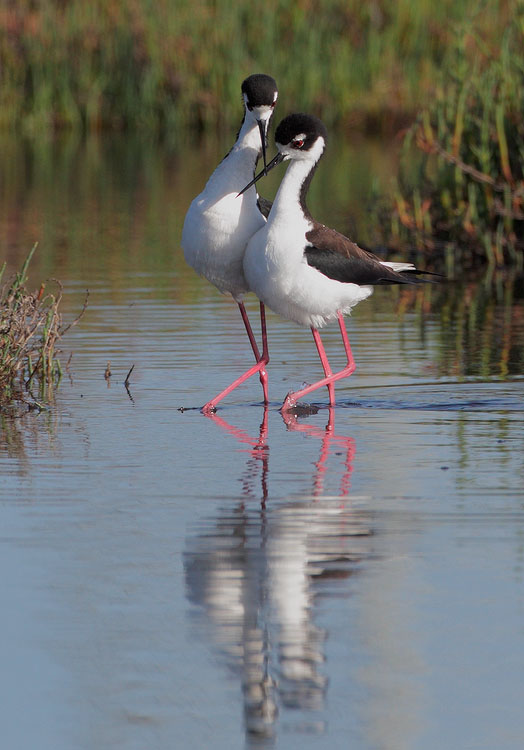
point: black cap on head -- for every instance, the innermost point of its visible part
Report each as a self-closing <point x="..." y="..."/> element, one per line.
<point x="308" y="125"/>
<point x="259" y="90"/>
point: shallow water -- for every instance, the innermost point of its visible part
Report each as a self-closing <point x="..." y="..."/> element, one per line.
<point x="349" y="578"/>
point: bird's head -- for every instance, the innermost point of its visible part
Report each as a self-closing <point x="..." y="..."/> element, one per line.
<point x="260" y="95"/>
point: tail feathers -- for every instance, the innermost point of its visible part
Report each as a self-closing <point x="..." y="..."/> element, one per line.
<point x="411" y="275"/>
<point x="398" y="266"/>
<point x="426" y="273"/>
<point x="404" y="268"/>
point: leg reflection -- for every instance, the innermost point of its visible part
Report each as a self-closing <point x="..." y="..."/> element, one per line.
<point x="258" y="452"/>
<point x="256" y="573"/>
<point x="331" y="443"/>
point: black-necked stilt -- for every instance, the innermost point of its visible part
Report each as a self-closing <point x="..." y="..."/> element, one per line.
<point x="218" y="225"/>
<point x="300" y="268"/>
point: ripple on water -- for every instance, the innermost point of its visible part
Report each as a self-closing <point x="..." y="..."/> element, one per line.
<point x="492" y="397"/>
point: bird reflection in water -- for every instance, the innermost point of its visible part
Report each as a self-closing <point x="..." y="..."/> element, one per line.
<point x="256" y="569"/>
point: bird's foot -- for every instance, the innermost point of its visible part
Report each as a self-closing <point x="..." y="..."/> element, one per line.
<point x="289" y="403"/>
<point x="291" y="408"/>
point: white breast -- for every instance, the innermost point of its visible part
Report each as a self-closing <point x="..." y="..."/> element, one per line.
<point x="218" y="225"/>
<point x="277" y="271"/>
<point x="215" y="236"/>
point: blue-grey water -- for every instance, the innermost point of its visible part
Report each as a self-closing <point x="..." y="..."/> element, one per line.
<point x="352" y="577"/>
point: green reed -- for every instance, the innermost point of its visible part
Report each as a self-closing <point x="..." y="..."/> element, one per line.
<point x="172" y="64"/>
<point x="464" y="200"/>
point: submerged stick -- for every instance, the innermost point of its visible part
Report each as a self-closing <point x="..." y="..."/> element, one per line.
<point x="126" y="381"/>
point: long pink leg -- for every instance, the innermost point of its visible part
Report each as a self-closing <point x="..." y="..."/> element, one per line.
<point x="292" y="398"/>
<point x="252" y="341"/>
<point x="249" y="330"/>
<point x="260" y="366"/>
<point x="265" y="352"/>
<point x="325" y="365"/>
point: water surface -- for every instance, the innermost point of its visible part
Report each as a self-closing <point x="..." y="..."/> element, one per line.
<point x="349" y="578"/>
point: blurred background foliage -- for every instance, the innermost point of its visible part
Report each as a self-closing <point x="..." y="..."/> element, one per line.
<point x="464" y="196"/>
<point x="171" y="70"/>
<point x="163" y="64"/>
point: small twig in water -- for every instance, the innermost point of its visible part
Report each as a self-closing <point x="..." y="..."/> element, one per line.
<point x="126" y="381"/>
<point x="108" y="373"/>
<point x="126" y="384"/>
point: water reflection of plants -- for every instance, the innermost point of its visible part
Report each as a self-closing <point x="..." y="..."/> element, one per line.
<point x="481" y="331"/>
<point x="20" y="433"/>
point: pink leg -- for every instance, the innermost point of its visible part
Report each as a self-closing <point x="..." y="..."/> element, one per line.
<point x="265" y="352"/>
<point x="263" y="373"/>
<point x="292" y="398"/>
<point x="325" y="365"/>
<point x="249" y="330"/>
<point x="260" y="366"/>
<point x="347" y="347"/>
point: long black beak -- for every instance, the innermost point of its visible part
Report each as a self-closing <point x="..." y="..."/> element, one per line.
<point x="273" y="163"/>
<point x="262" y="128"/>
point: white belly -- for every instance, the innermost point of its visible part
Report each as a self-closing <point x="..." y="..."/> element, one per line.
<point x="281" y="277"/>
<point x="215" y="236"/>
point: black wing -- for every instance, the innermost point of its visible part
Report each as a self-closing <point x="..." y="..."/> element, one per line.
<point x="337" y="257"/>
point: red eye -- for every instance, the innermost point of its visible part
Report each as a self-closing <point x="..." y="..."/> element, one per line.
<point x="273" y="105"/>
<point x="297" y="144"/>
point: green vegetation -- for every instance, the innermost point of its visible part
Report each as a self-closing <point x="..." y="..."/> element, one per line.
<point x="30" y="326"/>
<point x="466" y="197"/>
<point x="166" y="64"/>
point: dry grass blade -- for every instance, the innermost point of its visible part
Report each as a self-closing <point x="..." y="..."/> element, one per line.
<point x="30" y="328"/>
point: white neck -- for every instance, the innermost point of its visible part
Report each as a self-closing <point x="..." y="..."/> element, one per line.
<point x="249" y="135"/>
<point x="287" y="199"/>
<point x="238" y="167"/>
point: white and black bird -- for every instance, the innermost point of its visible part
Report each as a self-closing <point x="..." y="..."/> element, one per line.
<point x="300" y="268"/>
<point x="218" y="224"/>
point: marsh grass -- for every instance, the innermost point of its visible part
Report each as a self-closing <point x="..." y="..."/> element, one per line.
<point x="30" y="328"/>
<point x="167" y="66"/>
<point x="464" y="201"/>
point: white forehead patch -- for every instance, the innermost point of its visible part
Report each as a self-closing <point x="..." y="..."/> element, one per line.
<point x="275" y="96"/>
<point x="264" y="112"/>
<point x="300" y="137"/>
